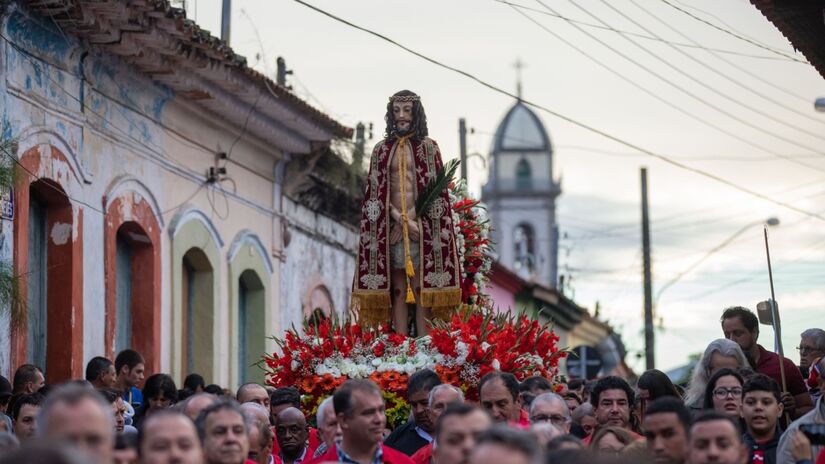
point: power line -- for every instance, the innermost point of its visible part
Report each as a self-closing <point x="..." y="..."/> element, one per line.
<point x="731" y="33"/>
<point x="643" y="36"/>
<point x="729" y="79"/>
<point x="649" y="92"/>
<point x="748" y="73"/>
<point x="703" y="84"/>
<point x="568" y="119"/>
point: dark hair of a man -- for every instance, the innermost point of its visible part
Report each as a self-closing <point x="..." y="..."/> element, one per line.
<point x="724" y="372"/>
<point x="535" y="382"/>
<point x="509" y="380"/>
<point x="286" y="395"/>
<point x="129" y="358"/>
<point x="423" y="380"/>
<point x="34" y="399"/>
<point x="224" y="404"/>
<point x="514" y="440"/>
<point x="214" y="389"/>
<point x="96" y="366"/>
<point x="749" y="319"/>
<point x="419" y="118"/>
<point x="713" y="416"/>
<point x="193" y="381"/>
<point x="761" y="382"/>
<point x="612" y="382"/>
<point x="158" y="384"/>
<point x="452" y="410"/>
<point x="110" y="395"/>
<point x="24" y="374"/>
<point x="658" y="384"/>
<point x="560" y="440"/>
<point x="575" y="384"/>
<point x="124" y="441"/>
<point x="342" y="400"/>
<point x="667" y="404"/>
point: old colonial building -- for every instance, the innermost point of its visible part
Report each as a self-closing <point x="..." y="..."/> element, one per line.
<point x="151" y="208"/>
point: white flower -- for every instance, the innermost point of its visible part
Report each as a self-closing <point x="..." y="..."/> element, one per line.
<point x="496" y="364"/>
<point x="376" y="362"/>
<point x="295" y="365"/>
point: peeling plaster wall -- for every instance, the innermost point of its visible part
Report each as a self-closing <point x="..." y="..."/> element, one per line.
<point x="105" y="117"/>
<point x="320" y="252"/>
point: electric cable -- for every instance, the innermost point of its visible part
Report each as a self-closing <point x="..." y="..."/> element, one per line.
<point x="690" y="93"/>
<point x="731" y="33"/>
<point x="652" y="94"/>
<point x="743" y="70"/>
<point x="643" y="36"/>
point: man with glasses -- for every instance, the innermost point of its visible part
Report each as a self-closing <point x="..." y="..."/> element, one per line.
<point x="550" y="407"/>
<point x="811" y="347"/>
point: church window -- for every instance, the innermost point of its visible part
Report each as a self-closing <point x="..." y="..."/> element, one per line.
<point x="524" y="248"/>
<point x="523" y="175"/>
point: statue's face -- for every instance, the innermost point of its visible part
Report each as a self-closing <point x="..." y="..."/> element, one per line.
<point x="402" y="113"/>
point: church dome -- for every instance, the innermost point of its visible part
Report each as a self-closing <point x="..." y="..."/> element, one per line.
<point x="521" y="130"/>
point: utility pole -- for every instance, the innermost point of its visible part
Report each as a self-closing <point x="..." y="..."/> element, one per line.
<point x="226" y="19"/>
<point x="462" y="144"/>
<point x="648" y="284"/>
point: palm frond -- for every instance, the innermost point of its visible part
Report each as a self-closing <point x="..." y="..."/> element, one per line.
<point x="437" y="185"/>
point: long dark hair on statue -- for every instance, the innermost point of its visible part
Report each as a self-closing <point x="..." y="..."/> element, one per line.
<point x="419" y="122"/>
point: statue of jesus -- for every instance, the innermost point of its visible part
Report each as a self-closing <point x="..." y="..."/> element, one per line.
<point x="406" y="258"/>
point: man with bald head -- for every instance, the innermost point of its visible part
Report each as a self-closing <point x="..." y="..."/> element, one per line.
<point x="196" y="403"/>
<point x="253" y="393"/>
<point x="292" y="433"/>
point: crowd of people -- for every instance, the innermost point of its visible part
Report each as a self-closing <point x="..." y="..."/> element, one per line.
<point x="733" y="411"/>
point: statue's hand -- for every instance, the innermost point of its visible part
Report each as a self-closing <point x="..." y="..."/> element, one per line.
<point x="412" y="230"/>
<point x="396" y="234"/>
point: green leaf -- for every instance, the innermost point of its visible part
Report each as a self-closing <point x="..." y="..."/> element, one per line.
<point x="437" y="185"/>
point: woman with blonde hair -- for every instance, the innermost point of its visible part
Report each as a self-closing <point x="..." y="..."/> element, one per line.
<point x="719" y="354"/>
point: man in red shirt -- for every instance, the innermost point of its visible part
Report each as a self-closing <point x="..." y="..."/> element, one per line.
<point x="360" y="409"/>
<point x="498" y="395"/>
<point x="741" y="325"/>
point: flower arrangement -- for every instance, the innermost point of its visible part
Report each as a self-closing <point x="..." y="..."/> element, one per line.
<point x="461" y="351"/>
<point x="472" y="234"/>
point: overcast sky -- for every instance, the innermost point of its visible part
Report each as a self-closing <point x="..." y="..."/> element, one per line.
<point x="743" y="113"/>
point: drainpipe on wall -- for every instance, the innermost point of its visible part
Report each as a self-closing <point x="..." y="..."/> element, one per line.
<point x="279" y="221"/>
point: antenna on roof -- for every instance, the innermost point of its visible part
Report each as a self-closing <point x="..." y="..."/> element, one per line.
<point x="226" y="19"/>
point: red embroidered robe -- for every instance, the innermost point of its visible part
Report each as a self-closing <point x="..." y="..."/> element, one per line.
<point x="438" y="273"/>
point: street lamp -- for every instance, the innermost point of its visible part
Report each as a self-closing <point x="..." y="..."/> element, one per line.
<point x="819" y="104"/>
<point x="771" y="221"/>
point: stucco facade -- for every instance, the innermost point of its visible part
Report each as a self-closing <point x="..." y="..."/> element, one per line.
<point x="114" y="159"/>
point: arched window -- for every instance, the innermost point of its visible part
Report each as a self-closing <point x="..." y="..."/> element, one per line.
<point x="197" y="285"/>
<point x="48" y="258"/>
<point x="524" y="248"/>
<point x="132" y="265"/>
<point x="250" y="317"/>
<point x="123" y="289"/>
<point x="523" y="175"/>
<point x="37" y="278"/>
<point x="251" y="330"/>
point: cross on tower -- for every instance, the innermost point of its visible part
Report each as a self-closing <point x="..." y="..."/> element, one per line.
<point x="519" y="65"/>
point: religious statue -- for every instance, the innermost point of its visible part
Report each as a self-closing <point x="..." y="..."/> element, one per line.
<point x="406" y="249"/>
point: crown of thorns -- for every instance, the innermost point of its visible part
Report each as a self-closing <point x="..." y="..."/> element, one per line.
<point x="405" y="98"/>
